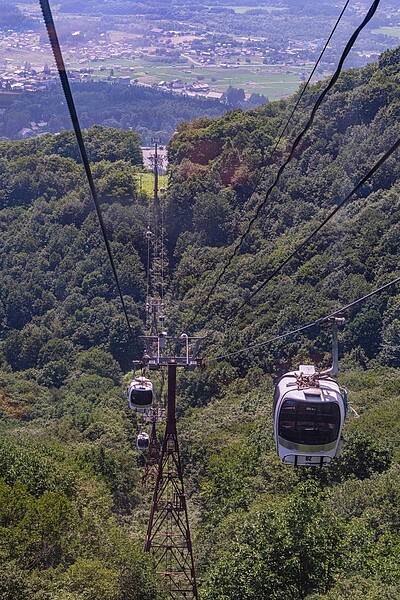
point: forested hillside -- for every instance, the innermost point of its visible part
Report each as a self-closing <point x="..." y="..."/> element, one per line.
<point x="148" y="111"/>
<point x="72" y="510"/>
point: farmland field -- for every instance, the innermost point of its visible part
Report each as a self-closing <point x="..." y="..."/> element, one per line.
<point x="390" y="31"/>
<point x="272" y="81"/>
<point x="244" y="9"/>
<point x="252" y="75"/>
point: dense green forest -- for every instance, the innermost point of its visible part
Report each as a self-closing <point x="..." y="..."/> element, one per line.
<point x="72" y="509"/>
<point x="148" y="111"/>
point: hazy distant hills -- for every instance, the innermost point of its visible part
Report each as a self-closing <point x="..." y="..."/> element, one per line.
<point x="131" y="7"/>
<point x="12" y="18"/>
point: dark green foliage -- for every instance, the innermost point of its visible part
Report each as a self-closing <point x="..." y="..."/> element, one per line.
<point x="228" y="480"/>
<point x="361" y="457"/>
<point x="349" y="257"/>
<point x="98" y="362"/>
<point x="286" y="552"/>
<point x="42" y="537"/>
<point x="60" y="276"/>
<point x="210" y="217"/>
<point x="359" y="588"/>
<point x="72" y="510"/>
<point x="33" y="466"/>
<point x="148" y="111"/>
<point x="234" y="96"/>
<point x="22" y="348"/>
<point x="391" y="334"/>
<point x="117" y="468"/>
<point x="68" y="467"/>
<point x="227" y="426"/>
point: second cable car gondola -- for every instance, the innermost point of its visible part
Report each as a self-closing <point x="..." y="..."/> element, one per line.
<point x="140" y="394"/>
<point x="143" y="441"/>
<point x="309" y="413"/>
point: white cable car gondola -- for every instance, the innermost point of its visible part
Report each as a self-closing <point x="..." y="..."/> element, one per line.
<point x="143" y="441"/>
<point x="309" y="413"/>
<point x="140" y="394"/>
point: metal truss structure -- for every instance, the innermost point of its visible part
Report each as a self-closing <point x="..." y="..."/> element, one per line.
<point x="154" y="452"/>
<point x="168" y="534"/>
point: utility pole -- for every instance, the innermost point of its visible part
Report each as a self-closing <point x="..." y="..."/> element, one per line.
<point x="168" y="533"/>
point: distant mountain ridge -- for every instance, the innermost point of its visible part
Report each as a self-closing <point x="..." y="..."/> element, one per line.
<point x="11" y="17"/>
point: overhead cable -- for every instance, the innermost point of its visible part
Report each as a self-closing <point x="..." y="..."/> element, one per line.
<point x="309" y="325"/>
<point x="300" y="136"/>
<point x="254" y="218"/>
<point x="55" y="45"/>
<point x="278" y="269"/>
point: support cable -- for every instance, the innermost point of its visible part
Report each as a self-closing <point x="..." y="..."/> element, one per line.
<point x="264" y="170"/>
<point x="296" y="142"/>
<point x="278" y="269"/>
<point x="309" y="325"/>
<point x="55" y="45"/>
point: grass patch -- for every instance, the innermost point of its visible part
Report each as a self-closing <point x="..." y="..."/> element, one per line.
<point x="390" y="31"/>
<point x="145" y="182"/>
<point x="253" y="77"/>
<point x="240" y="10"/>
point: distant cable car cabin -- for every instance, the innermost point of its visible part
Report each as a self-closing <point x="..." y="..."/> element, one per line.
<point x="140" y="394"/>
<point x="143" y="441"/>
<point x="309" y="413"/>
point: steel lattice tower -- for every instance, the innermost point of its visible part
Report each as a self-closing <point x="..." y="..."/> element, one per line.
<point x="168" y="533"/>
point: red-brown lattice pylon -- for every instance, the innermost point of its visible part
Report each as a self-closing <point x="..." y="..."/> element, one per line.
<point x="168" y="533"/>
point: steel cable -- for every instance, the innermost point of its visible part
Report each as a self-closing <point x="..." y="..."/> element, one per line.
<point x="362" y="181"/>
<point x="263" y="171"/>
<point x="309" y="325"/>
<point x="301" y="135"/>
<point x="55" y="45"/>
